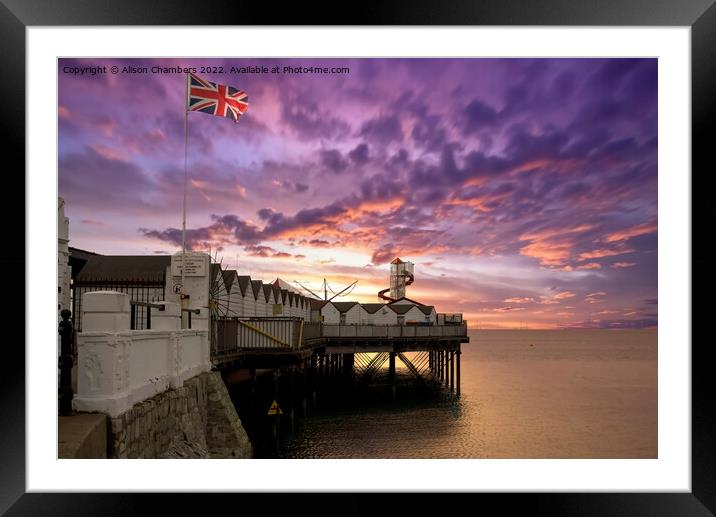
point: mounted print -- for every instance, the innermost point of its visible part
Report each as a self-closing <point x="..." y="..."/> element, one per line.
<point x="358" y="258"/>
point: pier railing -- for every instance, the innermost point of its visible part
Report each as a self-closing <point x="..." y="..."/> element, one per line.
<point x="235" y="334"/>
<point x="320" y="330"/>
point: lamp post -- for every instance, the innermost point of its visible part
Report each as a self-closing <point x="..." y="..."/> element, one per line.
<point x="65" y="363"/>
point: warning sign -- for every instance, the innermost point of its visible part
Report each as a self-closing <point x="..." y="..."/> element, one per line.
<point x="274" y="409"/>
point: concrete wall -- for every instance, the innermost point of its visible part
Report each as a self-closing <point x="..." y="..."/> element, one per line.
<point x="119" y="367"/>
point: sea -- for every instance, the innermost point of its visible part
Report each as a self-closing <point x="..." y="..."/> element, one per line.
<point x="524" y="394"/>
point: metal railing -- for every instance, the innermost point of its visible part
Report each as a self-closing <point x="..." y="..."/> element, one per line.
<point x="189" y="312"/>
<point x="137" y="318"/>
<point x="320" y="330"/>
<point x="236" y="334"/>
<point x="150" y="290"/>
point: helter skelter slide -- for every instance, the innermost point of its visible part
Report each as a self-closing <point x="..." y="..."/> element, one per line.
<point x="401" y="276"/>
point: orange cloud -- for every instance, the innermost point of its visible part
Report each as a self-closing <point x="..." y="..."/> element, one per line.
<point x="634" y="231"/>
<point x="548" y="253"/>
<point x="564" y="295"/>
<point x="550" y="246"/>
<point x="519" y="300"/>
<point x="601" y="253"/>
<point x="590" y="265"/>
<point x="619" y="265"/>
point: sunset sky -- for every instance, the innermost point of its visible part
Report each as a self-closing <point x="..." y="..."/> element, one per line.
<point x="525" y="191"/>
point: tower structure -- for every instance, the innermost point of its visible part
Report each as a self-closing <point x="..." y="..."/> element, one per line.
<point x="401" y="275"/>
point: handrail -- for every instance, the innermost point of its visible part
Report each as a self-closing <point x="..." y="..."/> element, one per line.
<point x="189" y="313"/>
<point x="133" y="312"/>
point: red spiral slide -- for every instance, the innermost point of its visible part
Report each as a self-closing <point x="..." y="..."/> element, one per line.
<point x="383" y="296"/>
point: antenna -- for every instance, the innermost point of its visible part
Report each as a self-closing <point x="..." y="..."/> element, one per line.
<point x="339" y="293"/>
<point x="307" y="289"/>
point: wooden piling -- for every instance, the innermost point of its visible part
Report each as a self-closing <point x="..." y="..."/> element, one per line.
<point x="452" y="370"/>
<point x="447" y="370"/>
<point x="459" y="353"/>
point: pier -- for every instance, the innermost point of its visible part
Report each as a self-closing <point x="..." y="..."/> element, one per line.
<point x="228" y="362"/>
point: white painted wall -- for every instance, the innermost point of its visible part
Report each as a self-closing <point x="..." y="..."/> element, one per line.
<point x="353" y="315"/>
<point x="119" y="367"/>
<point x="385" y="316"/>
<point x="330" y="314"/>
<point x="236" y="300"/>
<point x="249" y="303"/>
<point x="414" y="315"/>
<point x="433" y="317"/>
<point x="197" y="287"/>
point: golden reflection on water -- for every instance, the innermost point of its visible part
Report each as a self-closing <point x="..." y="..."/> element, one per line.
<point x="525" y="394"/>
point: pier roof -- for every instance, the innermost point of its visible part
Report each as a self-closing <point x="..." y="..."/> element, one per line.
<point x="427" y="309"/>
<point x="256" y="287"/>
<point x="229" y="276"/>
<point x="268" y="288"/>
<point x="317" y="304"/>
<point x="401" y="309"/>
<point x="124" y="267"/>
<point x="405" y="299"/>
<point x="344" y="306"/>
<point x="244" y="281"/>
<point x="372" y="308"/>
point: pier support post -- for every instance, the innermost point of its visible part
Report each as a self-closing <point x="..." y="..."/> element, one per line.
<point x="292" y="398"/>
<point x="447" y="370"/>
<point x="348" y="360"/>
<point x="452" y="370"/>
<point x="391" y="373"/>
<point x="276" y="430"/>
<point x="304" y="404"/>
<point x="459" y="353"/>
<point x="438" y="360"/>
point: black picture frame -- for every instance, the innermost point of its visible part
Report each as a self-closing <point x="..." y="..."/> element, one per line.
<point x="700" y="15"/>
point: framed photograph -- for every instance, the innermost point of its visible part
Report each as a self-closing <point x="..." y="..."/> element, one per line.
<point x="429" y="251"/>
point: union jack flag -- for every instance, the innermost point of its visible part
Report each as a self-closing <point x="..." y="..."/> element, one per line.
<point x="216" y="99"/>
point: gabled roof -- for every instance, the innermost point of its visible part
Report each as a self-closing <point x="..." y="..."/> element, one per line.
<point x="229" y="276"/>
<point x="401" y="309"/>
<point x="405" y="299"/>
<point x="140" y="268"/>
<point x="427" y="309"/>
<point x="78" y="258"/>
<point x="244" y="281"/>
<point x="372" y="308"/>
<point x="268" y="289"/>
<point x="316" y="304"/>
<point x="291" y="297"/>
<point x="344" y="306"/>
<point x="256" y="286"/>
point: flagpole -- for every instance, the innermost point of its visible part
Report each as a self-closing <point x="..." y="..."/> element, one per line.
<point x="183" y="221"/>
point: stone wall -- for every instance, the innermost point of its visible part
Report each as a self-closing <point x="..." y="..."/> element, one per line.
<point x="196" y="420"/>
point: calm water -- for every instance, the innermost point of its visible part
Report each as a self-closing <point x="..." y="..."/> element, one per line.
<point x="525" y="394"/>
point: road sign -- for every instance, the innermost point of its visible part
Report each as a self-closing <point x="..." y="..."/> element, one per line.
<point x="274" y="409"/>
<point x="177" y="288"/>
